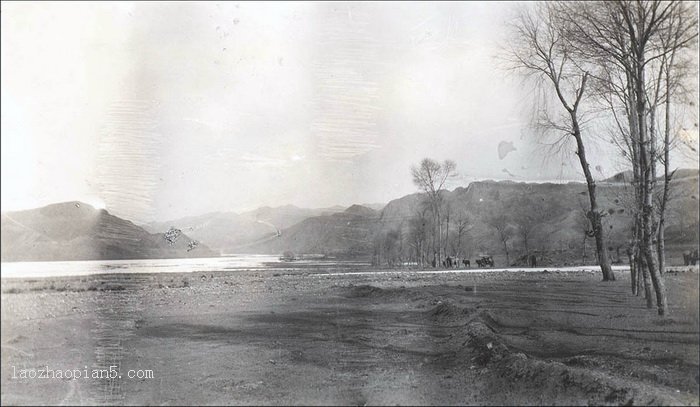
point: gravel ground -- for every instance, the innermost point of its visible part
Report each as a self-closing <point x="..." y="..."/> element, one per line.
<point x="314" y="337"/>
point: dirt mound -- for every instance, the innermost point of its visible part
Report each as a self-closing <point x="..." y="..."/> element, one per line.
<point x="528" y="377"/>
<point x="387" y="294"/>
<point x="485" y="343"/>
<point x="447" y="313"/>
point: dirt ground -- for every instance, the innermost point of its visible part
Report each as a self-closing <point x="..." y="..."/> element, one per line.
<point x="307" y="337"/>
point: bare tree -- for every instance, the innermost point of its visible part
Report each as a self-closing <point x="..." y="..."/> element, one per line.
<point x="417" y="234"/>
<point x="631" y="44"/>
<point x="430" y="176"/>
<point x="504" y="232"/>
<point x="447" y="210"/>
<point x="539" y="49"/>
<point x="528" y="216"/>
<point x="392" y="247"/>
<point x="463" y="226"/>
<point x="674" y="69"/>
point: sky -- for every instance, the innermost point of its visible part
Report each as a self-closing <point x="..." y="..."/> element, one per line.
<point x="163" y="110"/>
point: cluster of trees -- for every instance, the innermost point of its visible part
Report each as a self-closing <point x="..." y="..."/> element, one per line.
<point x="438" y="230"/>
<point x="435" y="231"/>
<point x="389" y="248"/>
<point x="430" y="243"/>
<point x="522" y="219"/>
<point x="430" y="176"/>
<point x="618" y="68"/>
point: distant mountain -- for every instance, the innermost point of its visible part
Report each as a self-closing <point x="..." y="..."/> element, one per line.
<point x="229" y="232"/>
<point x="360" y="210"/>
<point x="556" y="208"/>
<point x="221" y="231"/>
<point x="375" y="206"/>
<point x="627" y="176"/>
<point x="624" y="176"/>
<point x="77" y="231"/>
<point x="285" y="216"/>
<point x="345" y="233"/>
<point x="330" y="210"/>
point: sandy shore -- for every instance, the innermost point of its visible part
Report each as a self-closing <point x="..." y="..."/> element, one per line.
<point x="281" y="337"/>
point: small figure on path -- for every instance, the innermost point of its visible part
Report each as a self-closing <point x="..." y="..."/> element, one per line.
<point x="532" y="260"/>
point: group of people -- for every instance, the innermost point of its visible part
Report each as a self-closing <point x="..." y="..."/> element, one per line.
<point x="450" y="262"/>
<point x="485" y="261"/>
<point x="454" y="262"/>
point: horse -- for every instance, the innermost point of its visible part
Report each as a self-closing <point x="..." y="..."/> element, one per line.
<point x="448" y="262"/>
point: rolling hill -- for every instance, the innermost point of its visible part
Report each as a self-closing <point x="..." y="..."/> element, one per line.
<point x="230" y="232"/>
<point x="347" y="233"/>
<point x="77" y="231"/>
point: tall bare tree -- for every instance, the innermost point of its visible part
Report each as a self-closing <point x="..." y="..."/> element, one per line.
<point x="430" y="176"/>
<point x="540" y="50"/>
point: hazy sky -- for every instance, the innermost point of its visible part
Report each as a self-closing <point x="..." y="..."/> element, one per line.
<point x="161" y="110"/>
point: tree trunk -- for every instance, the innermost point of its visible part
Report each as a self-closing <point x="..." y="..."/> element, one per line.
<point x="647" y="283"/>
<point x="527" y="247"/>
<point x="505" y="247"/>
<point x="601" y="250"/>
<point x="593" y="214"/>
<point x="638" y="264"/>
<point x="438" y="261"/>
<point x="447" y="233"/>
<point x="633" y="275"/>
<point x="661" y="246"/>
<point x="459" y="243"/>
<point x="657" y="279"/>
<point x="421" y="255"/>
<point x="640" y="272"/>
<point x="646" y="166"/>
